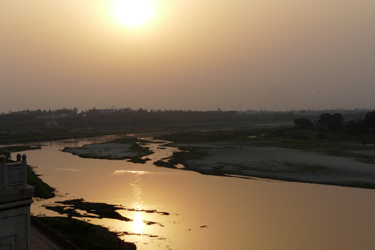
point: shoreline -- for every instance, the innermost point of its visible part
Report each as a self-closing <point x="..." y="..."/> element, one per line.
<point x="126" y="148"/>
<point x="349" y="166"/>
<point x="247" y="154"/>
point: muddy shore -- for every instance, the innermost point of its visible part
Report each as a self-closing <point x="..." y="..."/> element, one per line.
<point x="250" y="160"/>
<point x="350" y="164"/>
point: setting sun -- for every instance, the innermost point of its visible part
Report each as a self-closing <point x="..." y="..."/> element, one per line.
<point x="134" y="13"/>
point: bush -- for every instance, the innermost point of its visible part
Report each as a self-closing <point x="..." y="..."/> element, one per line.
<point x="303" y="123"/>
<point x="369" y="120"/>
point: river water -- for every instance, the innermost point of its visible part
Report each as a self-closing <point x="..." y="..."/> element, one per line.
<point x="208" y="212"/>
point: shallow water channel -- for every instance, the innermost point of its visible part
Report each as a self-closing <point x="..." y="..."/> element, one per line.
<point x="208" y="212"/>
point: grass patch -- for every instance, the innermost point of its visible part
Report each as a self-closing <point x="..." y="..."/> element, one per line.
<point x="357" y="156"/>
<point x="85" y="235"/>
<point x="328" y="147"/>
<point x="188" y="153"/>
<point x="14" y="149"/>
<point x="136" y="148"/>
<point x="311" y="169"/>
<point x="215" y="135"/>
<point x="139" y="160"/>
<point x="57" y="135"/>
<point x="219" y="167"/>
<point x="361" y="184"/>
<point x="164" y="164"/>
<point x="42" y="189"/>
<point x="101" y="210"/>
<point x="133" y="147"/>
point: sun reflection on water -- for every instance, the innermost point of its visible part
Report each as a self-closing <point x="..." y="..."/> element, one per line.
<point x="138" y="224"/>
<point x="129" y="171"/>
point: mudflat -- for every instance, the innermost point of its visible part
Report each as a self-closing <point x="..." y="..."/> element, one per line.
<point x="249" y="159"/>
<point x="261" y="154"/>
<point x="287" y="154"/>
<point x="118" y="149"/>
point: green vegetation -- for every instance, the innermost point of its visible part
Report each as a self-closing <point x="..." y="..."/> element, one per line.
<point x="360" y="184"/>
<point x="164" y="164"/>
<point x="308" y="168"/>
<point x="82" y="209"/>
<point x="198" y="145"/>
<point x="42" y="189"/>
<point x="104" y="150"/>
<point x="53" y="135"/>
<point x="215" y="135"/>
<point x="181" y="157"/>
<point x="139" y="160"/>
<point x="333" y="143"/>
<point x="136" y="148"/>
<point x="93" y="209"/>
<point x="85" y="235"/>
<point x="14" y="149"/>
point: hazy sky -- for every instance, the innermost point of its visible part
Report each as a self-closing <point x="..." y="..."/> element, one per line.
<point x="191" y="55"/>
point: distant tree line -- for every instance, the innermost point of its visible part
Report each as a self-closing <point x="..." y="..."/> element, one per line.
<point x="39" y="112"/>
<point x="113" y="118"/>
<point x="336" y="122"/>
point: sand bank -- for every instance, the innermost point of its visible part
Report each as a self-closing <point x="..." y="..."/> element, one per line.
<point x="119" y="149"/>
<point x="250" y="160"/>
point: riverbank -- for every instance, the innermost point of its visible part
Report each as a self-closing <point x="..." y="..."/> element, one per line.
<point x="41" y="189"/>
<point x="195" y="200"/>
<point x="85" y="235"/>
<point x="81" y="233"/>
<point x="263" y="153"/>
<point x="266" y="154"/>
<point x="119" y="149"/>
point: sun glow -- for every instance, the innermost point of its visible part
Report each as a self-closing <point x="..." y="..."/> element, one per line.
<point x="138" y="224"/>
<point x="134" y="13"/>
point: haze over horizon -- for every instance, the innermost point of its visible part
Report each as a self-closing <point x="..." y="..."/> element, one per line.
<point x="190" y="55"/>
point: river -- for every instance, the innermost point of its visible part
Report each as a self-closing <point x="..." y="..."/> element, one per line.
<point x="208" y="212"/>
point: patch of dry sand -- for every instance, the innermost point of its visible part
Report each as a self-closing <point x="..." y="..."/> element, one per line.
<point x="111" y="150"/>
<point x="283" y="164"/>
<point x="249" y="160"/>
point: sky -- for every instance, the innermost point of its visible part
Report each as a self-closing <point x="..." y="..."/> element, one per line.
<point x="189" y="55"/>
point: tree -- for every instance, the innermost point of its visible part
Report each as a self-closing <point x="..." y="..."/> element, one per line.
<point x="338" y="117"/>
<point x="369" y="120"/>
<point x="352" y="124"/>
<point x="333" y="122"/>
<point x="324" y="119"/>
<point x="303" y="123"/>
<point x="335" y="125"/>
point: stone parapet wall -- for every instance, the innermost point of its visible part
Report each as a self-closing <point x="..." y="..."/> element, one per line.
<point x="13" y="176"/>
<point x="53" y="235"/>
<point x="15" y="200"/>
